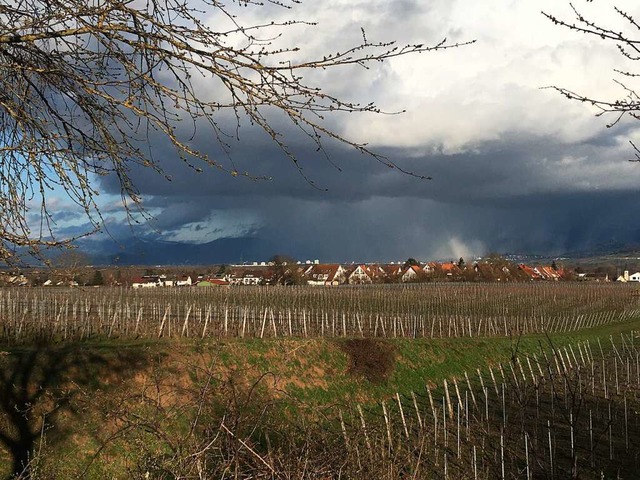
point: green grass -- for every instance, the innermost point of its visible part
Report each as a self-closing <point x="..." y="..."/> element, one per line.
<point x="304" y="376"/>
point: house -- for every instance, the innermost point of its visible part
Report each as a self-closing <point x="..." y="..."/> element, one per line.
<point x="451" y="269"/>
<point x="547" y="272"/>
<point x="185" y="281"/>
<point x="325" y="274"/>
<point x="431" y="267"/>
<point x="233" y="277"/>
<point x="360" y="275"/>
<point x="486" y="271"/>
<point x="635" y="277"/>
<point x="624" y="278"/>
<point x="377" y="273"/>
<point x="411" y="274"/>
<point x="146" y="282"/>
<point x="392" y="272"/>
<point x="19" y="280"/>
<point x="252" y="277"/>
<point x="529" y="272"/>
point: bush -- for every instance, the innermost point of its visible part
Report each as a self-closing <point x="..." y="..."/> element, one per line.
<point x="373" y="359"/>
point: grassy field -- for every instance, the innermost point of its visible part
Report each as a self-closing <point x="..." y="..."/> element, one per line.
<point x="249" y="408"/>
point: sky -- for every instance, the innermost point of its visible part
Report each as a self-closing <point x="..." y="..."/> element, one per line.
<point x="514" y="166"/>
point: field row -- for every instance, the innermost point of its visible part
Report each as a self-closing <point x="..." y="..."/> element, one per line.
<point x="428" y="310"/>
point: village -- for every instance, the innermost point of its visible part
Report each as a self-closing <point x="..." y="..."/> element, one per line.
<point x="319" y="274"/>
<point x="362" y="274"/>
<point x="310" y="272"/>
<point x="333" y="274"/>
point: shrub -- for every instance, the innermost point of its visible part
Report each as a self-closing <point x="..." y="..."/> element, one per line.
<point x="373" y="359"/>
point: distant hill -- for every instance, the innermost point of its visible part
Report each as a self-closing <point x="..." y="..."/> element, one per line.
<point x="143" y="251"/>
<point x="600" y="252"/>
<point x="150" y="251"/>
<point x="610" y="248"/>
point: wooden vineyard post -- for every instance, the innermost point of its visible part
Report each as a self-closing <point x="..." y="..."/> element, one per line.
<point x="446" y="392"/>
<point x="344" y="325"/>
<point x="610" y="434"/>
<point x="473" y="397"/>
<point x="481" y="379"/>
<point x="207" y="317"/>
<point x="573" y="451"/>
<point x="304" y="323"/>
<point x="404" y="422"/>
<point x="446" y="473"/>
<point x="533" y="377"/>
<point x="244" y="321"/>
<point x="591" y="438"/>
<point x="344" y="429"/>
<point x="433" y="408"/>
<point x="164" y="318"/>
<point x="185" y="325"/>
<point x="458" y="429"/>
<point x="486" y="405"/>
<point x="138" y="318"/>
<point x="364" y="429"/>
<point x="604" y="379"/>
<point x="550" y="448"/>
<point x="493" y="379"/>
<point x="626" y="424"/>
<point x="535" y="358"/>
<point x="615" y="368"/>
<point x="502" y="473"/>
<point x="455" y="384"/>
<point x="444" y="424"/>
<point x="388" y="427"/>
<point x="475" y="464"/>
<point x="415" y="405"/>
<point x="264" y="323"/>
<point x="113" y="322"/>
<point x="273" y="324"/>
<point x="526" y="453"/>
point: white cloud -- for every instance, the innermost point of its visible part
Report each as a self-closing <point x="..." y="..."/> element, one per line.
<point x="480" y="92"/>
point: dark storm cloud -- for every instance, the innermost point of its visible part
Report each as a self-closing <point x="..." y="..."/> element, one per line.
<point x="514" y="168"/>
<point x="175" y="214"/>
<point x="535" y="194"/>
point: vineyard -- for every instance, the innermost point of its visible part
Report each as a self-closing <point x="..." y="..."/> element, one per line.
<point x="393" y="311"/>
<point x="307" y="382"/>
<point x="571" y="414"/>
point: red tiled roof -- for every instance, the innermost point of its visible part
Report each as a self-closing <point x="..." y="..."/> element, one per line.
<point x="529" y="271"/>
<point x="450" y="267"/>
<point x="392" y="269"/>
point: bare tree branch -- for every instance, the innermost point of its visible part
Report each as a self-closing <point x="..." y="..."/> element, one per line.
<point x="85" y="83"/>
<point x="628" y="44"/>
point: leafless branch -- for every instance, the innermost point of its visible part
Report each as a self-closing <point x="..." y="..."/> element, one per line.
<point x="84" y="85"/>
